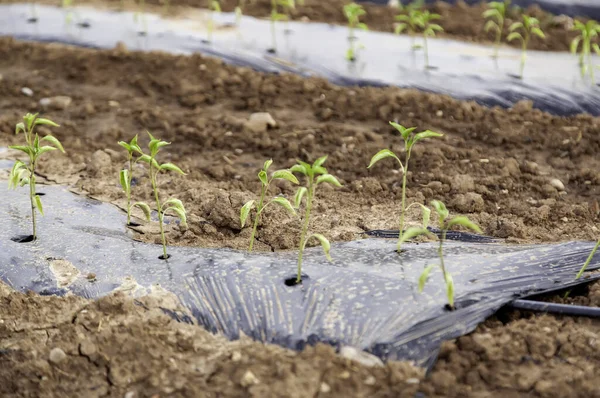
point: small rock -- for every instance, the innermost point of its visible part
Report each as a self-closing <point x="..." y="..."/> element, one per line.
<point x="360" y="356"/>
<point x="87" y="348"/>
<point x="463" y="183"/>
<point x="114" y="104"/>
<point x="556" y="183"/>
<point x="236" y="356"/>
<point x="413" y="380"/>
<point x="27" y="91"/>
<point x="100" y="162"/>
<point x="129" y="394"/>
<point x="439" y="113"/>
<point x="345" y="375"/>
<point x="259" y="122"/>
<point x="370" y="381"/>
<point x="324" y="388"/>
<point x="565" y="219"/>
<point x="484" y="160"/>
<point x="470" y="202"/>
<point x="57" y="355"/>
<point x="91" y="276"/>
<point x="249" y="379"/>
<point x="59" y="102"/>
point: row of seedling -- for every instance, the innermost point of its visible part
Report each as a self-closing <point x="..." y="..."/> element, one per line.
<point x="313" y="175"/>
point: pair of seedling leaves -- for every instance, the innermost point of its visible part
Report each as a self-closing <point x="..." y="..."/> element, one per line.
<point x="171" y="205"/>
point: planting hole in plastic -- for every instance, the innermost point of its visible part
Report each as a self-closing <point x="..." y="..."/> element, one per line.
<point x="162" y="257"/>
<point x="293" y="281"/>
<point x="23" y="239"/>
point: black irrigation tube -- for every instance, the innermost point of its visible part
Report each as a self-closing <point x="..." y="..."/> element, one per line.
<point x="553" y="308"/>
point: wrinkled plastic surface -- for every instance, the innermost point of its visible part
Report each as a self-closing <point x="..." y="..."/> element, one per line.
<point x="465" y="71"/>
<point x="367" y="297"/>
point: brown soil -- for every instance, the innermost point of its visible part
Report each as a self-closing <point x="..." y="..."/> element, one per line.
<point x="460" y="21"/>
<point x="494" y="165"/>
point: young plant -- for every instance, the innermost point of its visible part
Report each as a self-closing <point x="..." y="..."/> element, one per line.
<point x="126" y="175"/>
<point x="496" y="14"/>
<point x="265" y="181"/>
<point x="588" y="260"/>
<point x="315" y="174"/>
<point x="215" y="6"/>
<point x="275" y="16"/>
<point x="173" y="205"/>
<point x="587" y="32"/>
<point x="424" y="22"/>
<point x="529" y="26"/>
<point x="445" y="224"/>
<point x="239" y="11"/>
<point x="408" y="21"/>
<point x="23" y="174"/>
<point x="68" y="6"/>
<point x="410" y="139"/>
<point x="140" y="13"/>
<point x="288" y="6"/>
<point x="353" y="12"/>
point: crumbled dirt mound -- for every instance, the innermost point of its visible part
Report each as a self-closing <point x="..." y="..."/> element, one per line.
<point x="118" y="346"/>
<point x="496" y="165"/>
<point x="460" y="21"/>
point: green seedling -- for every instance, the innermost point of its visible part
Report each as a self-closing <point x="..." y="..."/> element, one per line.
<point x="173" y="205"/>
<point x="265" y="182"/>
<point x="68" y="5"/>
<point x="126" y="175"/>
<point x="353" y="12"/>
<point x="496" y="15"/>
<point x="140" y="13"/>
<point x="445" y="224"/>
<point x="588" y="260"/>
<point x="239" y="11"/>
<point x="424" y="22"/>
<point x="410" y="139"/>
<point x="529" y="26"/>
<point x="409" y="21"/>
<point x="315" y="174"/>
<point x="215" y="6"/>
<point x="288" y="6"/>
<point x="587" y="33"/>
<point x="23" y="174"/>
<point x="275" y="16"/>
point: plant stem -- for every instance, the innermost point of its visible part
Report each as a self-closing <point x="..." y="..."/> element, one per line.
<point x="258" y="211"/>
<point x="403" y="208"/>
<point x="589" y="260"/>
<point x="524" y="53"/>
<point x="426" y="51"/>
<point x="32" y="196"/>
<point x="441" y="254"/>
<point x="309" y="197"/>
<point x="129" y="177"/>
<point x="273" y="35"/>
<point x="159" y="208"/>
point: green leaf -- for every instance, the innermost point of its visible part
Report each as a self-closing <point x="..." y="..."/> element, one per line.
<point x="171" y="167"/>
<point x="54" y="141"/>
<point x="284" y="203"/>
<point x="298" y="168"/>
<point x="267" y="164"/>
<point x="465" y="222"/>
<point x="538" y="32"/>
<point x="155" y="145"/>
<point x="435" y="27"/>
<point x="362" y="26"/>
<point x="262" y="176"/>
<point x="125" y="145"/>
<point x="145" y="208"/>
<point x="319" y="162"/>
<point x="440" y="209"/>
<point x="404" y="132"/>
<point x="425" y="275"/>
<point x="45" y="149"/>
<point x="22" y="148"/>
<point x="515" y="25"/>
<point x="384" y="153"/>
<point x="324" y="243"/>
<point x="298" y="196"/>
<point x="174" y="203"/>
<point x="38" y="204"/>
<point x="145" y="158"/>
<point x="319" y="170"/>
<point x="400" y="28"/>
<point x="413" y="232"/>
<point x="20" y="127"/>
<point x="36" y="143"/>
<point x="245" y="211"/>
<point x="124" y="180"/>
<point x="285" y="175"/>
<point x="514" y="35"/>
<point x="16" y="174"/>
<point x="328" y="178"/>
<point x="47" y="122"/>
<point x="29" y="118"/>
<point x="450" y="289"/>
<point x="489" y="25"/>
<point x="426" y="134"/>
<point x="426" y="215"/>
<point x="180" y="213"/>
<point x="491" y="13"/>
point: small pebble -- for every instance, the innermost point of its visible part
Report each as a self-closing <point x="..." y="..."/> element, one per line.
<point x="27" y="91"/>
<point x="236" y="356"/>
<point x="325" y="388"/>
<point x="129" y="394"/>
<point x="413" y="380"/>
<point x="114" y="104"/>
<point x="484" y="160"/>
<point x="57" y="355"/>
<point x="556" y="183"/>
<point x="249" y="379"/>
<point x="370" y="380"/>
<point x="439" y="113"/>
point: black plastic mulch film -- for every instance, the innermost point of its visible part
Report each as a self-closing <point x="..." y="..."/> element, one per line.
<point x="366" y="298"/>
